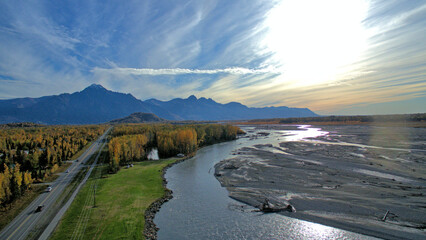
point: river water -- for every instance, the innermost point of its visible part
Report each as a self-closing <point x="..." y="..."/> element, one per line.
<point x="201" y="208"/>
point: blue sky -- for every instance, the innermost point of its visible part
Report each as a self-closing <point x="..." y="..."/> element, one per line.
<point x="332" y="56"/>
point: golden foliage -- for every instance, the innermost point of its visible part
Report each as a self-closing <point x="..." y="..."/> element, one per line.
<point x="131" y="142"/>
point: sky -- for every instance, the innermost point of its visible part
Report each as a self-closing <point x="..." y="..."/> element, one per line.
<point x="334" y="57"/>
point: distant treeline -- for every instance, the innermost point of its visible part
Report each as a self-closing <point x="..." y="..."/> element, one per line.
<point x="131" y="142"/>
<point x="29" y="153"/>
<point x="418" y="117"/>
<point x="20" y="125"/>
<point x="362" y="119"/>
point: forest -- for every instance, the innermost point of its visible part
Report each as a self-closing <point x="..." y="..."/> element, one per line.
<point x="30" y="154"/>
<point x="418" y="117"/>
<point x="132" y="142"/>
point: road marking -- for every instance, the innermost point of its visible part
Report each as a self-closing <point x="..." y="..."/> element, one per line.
<point x="85" y="155"/>
<point x="18" y="227"/>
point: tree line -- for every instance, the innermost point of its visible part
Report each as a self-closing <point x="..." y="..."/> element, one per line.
<point x="33" y="153"/>
<point x="13" y="183"/>
<point x="418" y="117"/>
<point x="132" y="142"/>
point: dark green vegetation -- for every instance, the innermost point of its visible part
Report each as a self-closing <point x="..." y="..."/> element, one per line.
<point x="417" y="119"/>
<point x="20" y="125"/>
<point x="131" y="143"/>
<point x="139" y="118"/>
<point x="362" y="119"/>
<point x="121" y="201"/>
<point x="35" y="153"/>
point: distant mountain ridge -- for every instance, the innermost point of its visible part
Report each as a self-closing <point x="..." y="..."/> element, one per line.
<point x="95" y="104"/>
<point x="139" y="118"/>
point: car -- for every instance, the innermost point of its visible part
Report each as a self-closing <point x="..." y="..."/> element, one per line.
<point x="48" y="189"/>
<point x="39" y="208"/>
<point x="67" y="171"/>
<point x="76" y="160"/>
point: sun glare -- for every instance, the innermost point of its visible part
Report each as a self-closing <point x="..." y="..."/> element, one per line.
<point x="314" y="42"/>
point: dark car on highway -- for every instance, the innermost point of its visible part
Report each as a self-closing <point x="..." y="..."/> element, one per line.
<point x="39" y="208"/>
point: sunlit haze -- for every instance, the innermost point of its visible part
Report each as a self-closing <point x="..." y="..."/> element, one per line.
<point x="333" y="57"/>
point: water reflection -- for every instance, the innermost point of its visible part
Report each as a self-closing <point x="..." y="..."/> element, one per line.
<point x="201" y="208"/>
<point x="315" y="231"/>
<point x="306" y="131"/>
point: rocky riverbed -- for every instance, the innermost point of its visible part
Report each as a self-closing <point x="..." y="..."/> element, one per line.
<point x="349" y="177"/>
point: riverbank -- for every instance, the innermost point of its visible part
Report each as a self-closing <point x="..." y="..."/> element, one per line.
<point x="150" y="229"/>
<point x="348" y="178"/>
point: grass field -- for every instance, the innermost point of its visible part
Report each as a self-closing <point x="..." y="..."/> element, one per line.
<point x="121" y="201"/>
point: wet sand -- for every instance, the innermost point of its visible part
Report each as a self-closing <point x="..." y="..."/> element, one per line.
<point x="348" y="178"/>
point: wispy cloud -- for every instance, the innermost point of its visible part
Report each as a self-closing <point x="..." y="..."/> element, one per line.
<point x="259" y="52"/>
<point x="180" y="71"/>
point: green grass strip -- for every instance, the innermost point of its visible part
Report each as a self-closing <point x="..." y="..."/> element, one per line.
<point x="121" y="201"/>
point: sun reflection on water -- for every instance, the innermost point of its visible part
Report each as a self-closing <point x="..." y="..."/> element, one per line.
<point x="308" y="132"/>
<point x="309" y="230"/>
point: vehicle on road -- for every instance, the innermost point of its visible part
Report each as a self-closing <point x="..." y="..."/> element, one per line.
<point x="48" y="189"/>
<point x="39" y="208"/>
<point x="67" y="171"/>
<point x="76" y="160"/>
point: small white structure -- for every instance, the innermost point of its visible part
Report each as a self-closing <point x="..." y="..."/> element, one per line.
<point x="153" y="155"/>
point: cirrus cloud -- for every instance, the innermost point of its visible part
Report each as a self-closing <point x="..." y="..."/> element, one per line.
<point x="179" y="71"/>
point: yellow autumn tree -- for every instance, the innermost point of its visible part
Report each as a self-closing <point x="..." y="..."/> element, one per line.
<point x="3" y="186"/>
<point x="28" y="180"/>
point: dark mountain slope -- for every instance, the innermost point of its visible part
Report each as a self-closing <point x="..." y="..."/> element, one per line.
<point x="139" y="118"/>
<point x="207" y="109"/>
<point x="95" y="104"/>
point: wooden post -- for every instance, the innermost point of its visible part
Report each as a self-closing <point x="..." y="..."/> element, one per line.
<point x="386" y="215"/>
<point x="94" y="196"/>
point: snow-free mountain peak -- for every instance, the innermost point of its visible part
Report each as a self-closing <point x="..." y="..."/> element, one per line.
<point x="95" y="86"/>
<point x="192" y="98"/>
<point x="95" y="104"/>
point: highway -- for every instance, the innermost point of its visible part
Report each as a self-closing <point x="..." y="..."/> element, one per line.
<point x="30" y="223"/>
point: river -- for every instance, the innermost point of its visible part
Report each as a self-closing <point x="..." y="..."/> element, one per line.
<point x="201" y="208"/>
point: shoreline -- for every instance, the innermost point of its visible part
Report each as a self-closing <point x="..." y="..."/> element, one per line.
<point x="150" y="230"/>
<point x="335" y="123"/>
<point x="334" y="223"/>
<point x="338" y="185"/>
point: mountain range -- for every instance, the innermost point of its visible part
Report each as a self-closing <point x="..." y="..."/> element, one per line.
<point x="95" y="104"/>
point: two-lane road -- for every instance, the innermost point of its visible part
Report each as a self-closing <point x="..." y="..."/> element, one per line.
<point x="28" y="219"/>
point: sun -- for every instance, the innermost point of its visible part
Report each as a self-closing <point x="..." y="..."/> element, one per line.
<point x="315" y="42"/>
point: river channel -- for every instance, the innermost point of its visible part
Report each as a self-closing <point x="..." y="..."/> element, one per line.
<point x="201" y="208"/>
